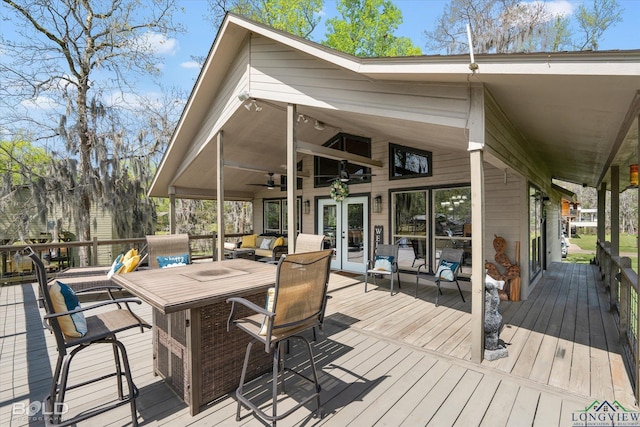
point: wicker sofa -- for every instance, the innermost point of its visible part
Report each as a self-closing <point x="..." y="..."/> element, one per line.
<point x="266" y="245"/>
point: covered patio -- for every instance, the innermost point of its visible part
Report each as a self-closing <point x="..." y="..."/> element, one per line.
<point x="401" y="362"/>
<point x="504" y="129"/>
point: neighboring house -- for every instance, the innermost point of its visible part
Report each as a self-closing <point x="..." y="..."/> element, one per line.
<point x="458" y="154"/>
<point x="20" y="220"/>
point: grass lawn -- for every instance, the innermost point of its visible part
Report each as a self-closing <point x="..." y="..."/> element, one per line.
<point x="628" y="245"/>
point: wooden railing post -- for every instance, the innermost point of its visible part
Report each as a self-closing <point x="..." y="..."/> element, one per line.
<point x="607" y="265"/>
<point x="614" y="297"/>
<point x="625" y="298"/>
<point x="94" y="251"/>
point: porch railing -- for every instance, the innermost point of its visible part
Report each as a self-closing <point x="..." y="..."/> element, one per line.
<point x="622" y="282"/>
<point x="15" y="269"/>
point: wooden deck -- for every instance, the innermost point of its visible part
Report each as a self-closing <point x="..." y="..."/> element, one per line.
<point x="396" y="361"/>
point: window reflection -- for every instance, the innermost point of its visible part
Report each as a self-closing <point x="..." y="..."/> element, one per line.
<point x="452" y="222"/>
<point x="410" y="226"/>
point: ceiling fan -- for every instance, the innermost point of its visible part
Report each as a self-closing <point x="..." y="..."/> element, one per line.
<point x="344" y="175"/>
<point x="270" y="183"/>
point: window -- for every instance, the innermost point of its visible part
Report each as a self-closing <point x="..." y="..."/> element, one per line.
<point x="452" y="222"/>
<point x="406" y="162"/>
<point x="283" y="183"/>
<point x="328" y="168"/>
<point x="409" y="226"/>
<point x="275" y="215"/>
<point x="283" y="179"/>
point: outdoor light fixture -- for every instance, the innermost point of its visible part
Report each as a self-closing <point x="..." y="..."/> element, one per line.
<point x="307" y="207"/>
<point x="318" y="125"/>
<point x="302" y="118"/>
<point x="633" y="175"/>
<point x="253" y="103"/>
<point x="377" y="204"/>
<point x="243" y="96"/>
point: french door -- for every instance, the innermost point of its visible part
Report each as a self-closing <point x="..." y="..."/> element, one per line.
<point x="345" y="226"/>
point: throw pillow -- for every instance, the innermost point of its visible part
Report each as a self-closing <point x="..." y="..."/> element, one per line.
<point x="130" y="254"/>
<point x="172" y="260"/>
<point x="116" y="266"/>
<point x="383" y="263"/>
<point x="130" y="264"/>
<point x="446" y="270"/>
<point x="249" y="241"/>
<point x="65" y="299"/>
<point x="271" y="293"/>
<point x="279" y="242"/>
<point x="266" y="244"/>
<point x="229" y="246"/>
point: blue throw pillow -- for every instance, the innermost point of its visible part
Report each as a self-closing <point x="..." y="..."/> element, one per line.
<point x="446" y="270"/>
<point x="173" y="260"/>
<point x="383" y="263"/>
<point x="116" y="266"/>
<point x="65" y="299"/>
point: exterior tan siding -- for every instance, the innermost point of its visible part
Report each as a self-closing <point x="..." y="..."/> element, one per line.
<point x="506" y="215"/>
<point x="282" y="74"/>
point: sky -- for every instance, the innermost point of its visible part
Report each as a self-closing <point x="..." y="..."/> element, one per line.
<point x="418" y="16"/>
<point x="180" y="70"/>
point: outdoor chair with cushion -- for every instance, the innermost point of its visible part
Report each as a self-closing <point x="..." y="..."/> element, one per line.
<point x="448" y="268"/>
<point x="309" y="243"/>
<point x="74" y="332"/>
<point x="306" y="243"/>
<point x="295" y="305"/>
<point x="168" y="250"/>
<point x="384" y="263"/>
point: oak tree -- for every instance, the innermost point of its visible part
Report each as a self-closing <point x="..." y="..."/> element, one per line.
<point x="80" y="59"/>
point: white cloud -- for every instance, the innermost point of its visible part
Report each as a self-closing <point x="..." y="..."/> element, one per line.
<point x="159" y="44"/>
<point x="127" y="99"/>
<point x="557" y="7"/>
<point x="560" y="8"/>
<point x="191" y="64"/>
<point x="40" y="103"/>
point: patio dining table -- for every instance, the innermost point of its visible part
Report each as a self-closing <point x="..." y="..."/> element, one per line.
<point x="193" y="351"/>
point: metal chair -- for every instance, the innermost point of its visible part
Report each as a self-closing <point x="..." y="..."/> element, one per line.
<point x="306" y="243"/>
<point x="418" y="251"/>
<point x="101" y="329"/>
<point x="309" y="243"/>
<point x="445" y="271"/>
<point x="379" y="267"/>
<point x="296" y="304"/>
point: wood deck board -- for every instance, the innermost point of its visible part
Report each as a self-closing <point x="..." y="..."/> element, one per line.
<point x="472" y="413"/>
<point x="383" y="360"/>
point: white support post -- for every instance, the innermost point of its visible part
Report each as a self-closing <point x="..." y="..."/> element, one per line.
<point x="292" y="178"/>
<point x="477" y="255"/>
<point x="476" y="126"/>
<point x="615" y="235"/>
<point x="172" y="211"/>
<point x="220" y="199"/>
